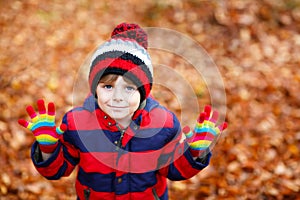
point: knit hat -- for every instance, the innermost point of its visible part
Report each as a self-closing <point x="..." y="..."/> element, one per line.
<point x="124" y="54"/>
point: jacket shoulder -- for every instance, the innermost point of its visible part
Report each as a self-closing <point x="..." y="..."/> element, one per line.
<point x="158" y="116"/>
<point x="80" y="118"/>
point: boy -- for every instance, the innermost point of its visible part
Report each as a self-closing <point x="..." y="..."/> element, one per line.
<point x="123" y="141"/>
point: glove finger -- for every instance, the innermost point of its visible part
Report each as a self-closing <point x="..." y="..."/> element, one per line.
<point x="188" y="133"/>
<point x="51" y="109"/>
<point x="61" y="129"/>
<point x="207" y="110"/>
<point x="41" y="107"/>
<point x="31" y="112"/>
<point x="24" y="123"/>
<point x="214" y="117"/>
<point x="51" y="112"/>
<point x="223" y="126"/>
<point x="201" y="117"/>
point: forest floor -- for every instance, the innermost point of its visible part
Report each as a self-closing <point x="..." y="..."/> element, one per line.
<point x="255" y="45"/>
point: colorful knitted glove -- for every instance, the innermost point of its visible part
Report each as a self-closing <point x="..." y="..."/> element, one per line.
<point x="205" y="132"/>
<point x="43" y="126"/>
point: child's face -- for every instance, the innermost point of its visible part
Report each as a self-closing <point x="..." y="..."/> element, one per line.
<point x="119" y="98"/>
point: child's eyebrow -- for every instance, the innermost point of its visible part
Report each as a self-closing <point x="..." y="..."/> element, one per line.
<point x="107" y="82"/>
<point x="131" y="85"/>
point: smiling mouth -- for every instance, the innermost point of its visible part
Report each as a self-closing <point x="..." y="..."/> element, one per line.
<point x="117" y="107"/>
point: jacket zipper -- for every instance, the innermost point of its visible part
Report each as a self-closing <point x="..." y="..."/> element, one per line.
<point x="121" y="138"/>
<point x="87" y="193"/>
<point x="155" y="194"/>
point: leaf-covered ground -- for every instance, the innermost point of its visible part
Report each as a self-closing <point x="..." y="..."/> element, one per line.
<point x="254" y="43"/>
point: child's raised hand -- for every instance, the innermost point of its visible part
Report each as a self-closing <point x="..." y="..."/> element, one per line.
<point x="205" y="131"/>
<point x="43" y="126"/>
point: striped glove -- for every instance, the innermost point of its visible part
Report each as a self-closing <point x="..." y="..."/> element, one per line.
<point x="205" y="132"/>
<point x="43" y="126"/>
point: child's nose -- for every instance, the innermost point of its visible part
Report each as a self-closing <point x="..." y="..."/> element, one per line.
<point x="118" y="96"/>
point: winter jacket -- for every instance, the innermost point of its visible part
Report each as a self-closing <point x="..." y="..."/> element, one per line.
<point x="117" y="164"/>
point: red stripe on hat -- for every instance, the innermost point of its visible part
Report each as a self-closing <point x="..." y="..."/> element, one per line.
<point x="126" y="65"/>
<point x="99" y="67"/>
<point x="122" y="64"/>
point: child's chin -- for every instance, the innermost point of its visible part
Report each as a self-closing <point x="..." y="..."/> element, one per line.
<point x="119" y="115"/>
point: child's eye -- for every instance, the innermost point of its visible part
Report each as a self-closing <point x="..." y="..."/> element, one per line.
<point x="130" y="88"/>
<point x="108" y="87"/>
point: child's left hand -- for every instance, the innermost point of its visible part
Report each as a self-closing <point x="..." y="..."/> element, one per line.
<point x="205" y="132"/>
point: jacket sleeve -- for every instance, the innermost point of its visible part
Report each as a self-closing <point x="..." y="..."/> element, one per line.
<point x="62" y="161"/>
<point x="181" y="165"/>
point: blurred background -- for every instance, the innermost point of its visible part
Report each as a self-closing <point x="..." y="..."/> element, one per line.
<point x="254" y="43"/>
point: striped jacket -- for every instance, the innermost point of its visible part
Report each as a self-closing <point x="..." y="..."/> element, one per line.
<point x="117" y="164"/>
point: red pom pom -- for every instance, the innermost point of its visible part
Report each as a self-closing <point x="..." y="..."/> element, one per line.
<point x="131" y="31"/>
<point x="123" y="28"/>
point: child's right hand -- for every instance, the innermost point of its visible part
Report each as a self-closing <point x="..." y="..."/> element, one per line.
<point x="43" y="126"/>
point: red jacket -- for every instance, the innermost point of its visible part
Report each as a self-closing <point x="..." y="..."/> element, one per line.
<point x="113" y="164"/>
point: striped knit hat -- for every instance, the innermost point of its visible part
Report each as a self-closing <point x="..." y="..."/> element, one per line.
<point x="124" y="54"/>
